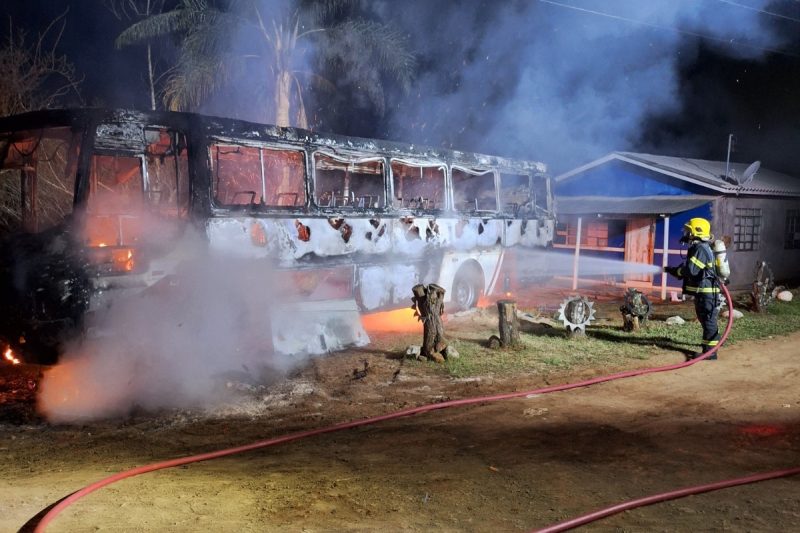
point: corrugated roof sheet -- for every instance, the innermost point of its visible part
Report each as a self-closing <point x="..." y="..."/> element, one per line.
<point x="636" y="205"/>
<point x="704" y="172"/>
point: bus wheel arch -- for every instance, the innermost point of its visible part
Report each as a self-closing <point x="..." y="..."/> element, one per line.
<point x="468" y="286"/>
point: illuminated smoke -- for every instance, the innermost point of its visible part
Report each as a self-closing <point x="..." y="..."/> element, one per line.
<point x="174" y="345"/>
<point x="545" y="82"/>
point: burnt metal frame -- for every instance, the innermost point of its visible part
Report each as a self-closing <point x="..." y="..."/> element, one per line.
<point x="200" y="130"/>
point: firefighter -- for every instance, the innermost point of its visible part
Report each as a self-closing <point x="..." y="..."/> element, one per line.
<point x="700" y="280"/>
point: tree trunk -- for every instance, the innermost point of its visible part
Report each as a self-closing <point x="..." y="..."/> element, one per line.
<point x="150" y="76"/>
<point x="429" y="304"/>
<point x="509" y="326"/>
<point x="283" y="91"/>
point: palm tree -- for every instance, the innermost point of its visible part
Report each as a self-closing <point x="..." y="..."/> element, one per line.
<point x="138" y="9"/>
<point x="289" y="50"/>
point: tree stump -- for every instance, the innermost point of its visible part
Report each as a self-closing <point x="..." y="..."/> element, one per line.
<point x="429" y="306"/>
<point x="508" y="323"/>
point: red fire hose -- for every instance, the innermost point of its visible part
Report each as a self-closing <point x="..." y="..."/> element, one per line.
<point x="664" y="496"/>
<point x="77" y="495"/>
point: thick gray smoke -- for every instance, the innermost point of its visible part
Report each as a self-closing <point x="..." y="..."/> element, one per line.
<point x="561" y="81"/>
<point x="178" y="344"/>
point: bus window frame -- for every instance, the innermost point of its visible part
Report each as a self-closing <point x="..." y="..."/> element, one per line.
<point x="515" y="213"/>
<point x="29" y="200"/>
<point x="476" y="172"/>
<point x="260" y="207"/>
<point x="106" y="152"/>
<point x="446" y="190"/>
<point x="349" y="157"/>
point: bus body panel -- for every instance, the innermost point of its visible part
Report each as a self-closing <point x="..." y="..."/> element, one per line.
<point x="363" y="220"/>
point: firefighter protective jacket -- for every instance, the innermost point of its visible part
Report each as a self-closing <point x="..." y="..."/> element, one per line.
<point x="698" y="272"/>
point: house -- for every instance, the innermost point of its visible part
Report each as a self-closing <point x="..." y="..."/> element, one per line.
<point x="632" y="207"/>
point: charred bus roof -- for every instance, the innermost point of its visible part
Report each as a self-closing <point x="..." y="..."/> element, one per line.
<point x="249" y="131"/>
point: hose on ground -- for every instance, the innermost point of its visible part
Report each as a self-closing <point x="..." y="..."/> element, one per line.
<point x="61" y="505"/>
<point x="663" y="497"/>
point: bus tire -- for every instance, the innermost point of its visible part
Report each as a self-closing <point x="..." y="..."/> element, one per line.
<point x="467" y="288"/>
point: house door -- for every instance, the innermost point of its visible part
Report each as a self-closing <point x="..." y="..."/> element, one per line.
<point x="639" y="238"/>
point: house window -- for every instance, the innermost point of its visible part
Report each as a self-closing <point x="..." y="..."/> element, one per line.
<point x="594" y="234"/>
<point x="747" y="228"/>
<point x="792" y="236"/>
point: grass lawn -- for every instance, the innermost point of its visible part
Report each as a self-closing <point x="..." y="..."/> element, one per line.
<point x="545" y="349"/>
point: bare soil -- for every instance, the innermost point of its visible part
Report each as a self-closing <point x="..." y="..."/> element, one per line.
<point x="507" y="466"/>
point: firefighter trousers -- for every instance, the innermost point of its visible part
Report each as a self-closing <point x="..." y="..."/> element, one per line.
<point x="705" y="306"/>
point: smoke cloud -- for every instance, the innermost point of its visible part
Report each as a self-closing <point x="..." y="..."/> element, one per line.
<point x="177" y="344"/>
<point x="565" y="81"/>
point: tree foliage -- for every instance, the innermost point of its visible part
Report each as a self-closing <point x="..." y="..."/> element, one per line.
<point x="33" y="74"/>
<point x="274" y="53"/>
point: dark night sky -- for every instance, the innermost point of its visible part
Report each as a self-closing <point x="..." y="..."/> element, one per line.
<point x="717" y="91"/>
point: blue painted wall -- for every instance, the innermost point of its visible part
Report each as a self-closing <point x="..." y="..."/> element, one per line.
<point x="621" y="179"/>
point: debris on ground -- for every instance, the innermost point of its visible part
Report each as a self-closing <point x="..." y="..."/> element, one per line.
<point x="414" y="351"/>
<point x="361" y="374"/>
<point x="736" y="313"/>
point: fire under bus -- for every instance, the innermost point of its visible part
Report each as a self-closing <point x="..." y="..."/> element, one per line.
<point x="95" y="201"/>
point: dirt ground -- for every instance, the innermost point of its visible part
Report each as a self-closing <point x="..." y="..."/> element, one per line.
<point x="508" y="466"/>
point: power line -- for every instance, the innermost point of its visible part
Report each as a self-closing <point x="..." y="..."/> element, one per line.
<point x="771" y="13"/>
<point x="669" y="28"/>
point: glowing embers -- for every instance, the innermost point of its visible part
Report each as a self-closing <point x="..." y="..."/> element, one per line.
<point x="8" y="356"/>
<point x="397" y="321"/>
<point x="80" y="389"/>
<point x="763" y="430"/>
<point x="113" y="260"/>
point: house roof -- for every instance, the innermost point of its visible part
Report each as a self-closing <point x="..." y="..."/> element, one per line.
<point x="664" y="205"/>
<point x="710" y="174"/>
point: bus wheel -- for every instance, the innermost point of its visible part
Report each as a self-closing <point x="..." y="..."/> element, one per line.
<point x="467" y="288"/>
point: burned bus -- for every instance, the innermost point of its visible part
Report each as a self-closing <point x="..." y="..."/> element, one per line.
<point x="93" y="202"/>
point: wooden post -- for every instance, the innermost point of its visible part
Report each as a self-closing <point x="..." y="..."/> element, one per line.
<point x="508" y="323"/>
<point x="429" y="304"/>
<point x="665" y="259"/>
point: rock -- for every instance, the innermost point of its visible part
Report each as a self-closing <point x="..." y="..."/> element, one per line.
<point x="736" y="313"/>
<point x="413" y="351"/>
<point x="675" y="321"/>
<point x="450" y="352"/>
<point x="535" y="411"/>
<point x="785" y="296"/>
<point x="494" y="342"/>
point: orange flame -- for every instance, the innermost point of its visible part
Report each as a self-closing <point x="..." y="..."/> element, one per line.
<point x="8" y="355"/>
<point x="399" y="320"/>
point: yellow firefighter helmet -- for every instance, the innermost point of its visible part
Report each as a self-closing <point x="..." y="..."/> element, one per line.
<point x="698" y="228"/>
